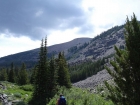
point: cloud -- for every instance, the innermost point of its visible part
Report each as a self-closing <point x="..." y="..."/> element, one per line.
<point x="105" y="14"/>
<point x="27" y="21"/>
<point x="30" y="17"/>
<point x="11" y="45"/>
<point x="38" y="18"/>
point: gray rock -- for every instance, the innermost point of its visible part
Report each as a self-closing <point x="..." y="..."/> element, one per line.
<point x="93" y="81"/>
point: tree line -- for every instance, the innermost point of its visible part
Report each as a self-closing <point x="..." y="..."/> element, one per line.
<point x="81" y="71"/>
<point x="45" y="77"/>
<point x="15" y="74"/>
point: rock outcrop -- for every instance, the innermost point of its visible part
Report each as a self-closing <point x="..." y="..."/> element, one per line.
<point x="7" y="99"/>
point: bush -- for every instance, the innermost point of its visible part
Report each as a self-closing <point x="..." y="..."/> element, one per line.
<point x="77" y="96"/>
<point x="18" y="95"/>
<point x="27" y="87"/>
<point x="21" y="103"/>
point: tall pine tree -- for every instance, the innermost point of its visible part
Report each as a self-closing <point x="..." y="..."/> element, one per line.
<point x="63" y="73"/>
<point x="52" y="79"/>
<point x="40" y="84"/>
<point x="126" y="72"/>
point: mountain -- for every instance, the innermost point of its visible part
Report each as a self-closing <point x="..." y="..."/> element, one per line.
<point x="104" y="48"/>
<point x="76" y="51"/>
<point x="99" y="47"/>
<point x="31" y="57"/>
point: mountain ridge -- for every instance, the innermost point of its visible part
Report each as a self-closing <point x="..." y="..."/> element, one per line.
<point x="76" y="51"/>
<point x="32" y="55"/>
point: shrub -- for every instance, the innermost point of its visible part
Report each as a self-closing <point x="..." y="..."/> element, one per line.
<point x="18" y="95"/>
<point x="21" y="103"/>
<point x="77" y="96"/>
<point x="27" y="87"/>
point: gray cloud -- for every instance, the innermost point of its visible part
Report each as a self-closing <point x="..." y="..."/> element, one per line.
<point x="86" y="29"/>
<point x="29" y="17"/>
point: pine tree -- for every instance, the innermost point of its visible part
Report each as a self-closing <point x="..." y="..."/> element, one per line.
<point x="126" y="72"/>
<point x="7" y="71"/>
<point x="40" y="84"/>
<point x="63" y="73"/>
<point x="52" y="79"/>
<point x="16" y="74"/>
<point x="11" y="76"/>
<point x="23" y="76"/>
<point x="32" y="79"/>
<point x="3" y="75"/>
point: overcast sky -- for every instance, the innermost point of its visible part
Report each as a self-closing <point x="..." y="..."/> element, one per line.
<point x="23" y="23"/>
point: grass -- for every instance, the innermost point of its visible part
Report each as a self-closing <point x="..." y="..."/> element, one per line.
<point x="15" y="92"/>
<point x="77" y="96"/>
<point x="74" y="96"/>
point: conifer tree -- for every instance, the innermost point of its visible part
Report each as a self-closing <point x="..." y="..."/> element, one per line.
<point x="40" y="84"/>
<point x="126" y="72"/>
<point x="16" y="74"/>
<point x="7" y="71"/>
<point x="52" y="79"/>
<point x="32" y="79"/>
<point x="23" y="76"/>
<point x="3" y="75"/>
<point x="11" y="76"/>
<point x="63" y="73"/>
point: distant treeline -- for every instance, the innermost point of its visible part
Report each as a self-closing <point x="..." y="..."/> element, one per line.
<point x="82" y="71"/>
<point x="108" y="32"/>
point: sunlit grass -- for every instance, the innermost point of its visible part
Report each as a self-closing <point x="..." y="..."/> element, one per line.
<point x="17" y="92"/>
<point x="76" y="96"/>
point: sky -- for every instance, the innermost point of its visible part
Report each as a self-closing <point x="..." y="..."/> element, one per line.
<point x="24" y="23"/>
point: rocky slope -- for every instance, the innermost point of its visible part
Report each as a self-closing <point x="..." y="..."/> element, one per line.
<point x="94" y="81"/>
<point x="101" y="46"/>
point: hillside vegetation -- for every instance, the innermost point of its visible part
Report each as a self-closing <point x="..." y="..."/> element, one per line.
<point x="14" y="93"/>
<point x="20" y="95"/>
<point x="77" y="96"/>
